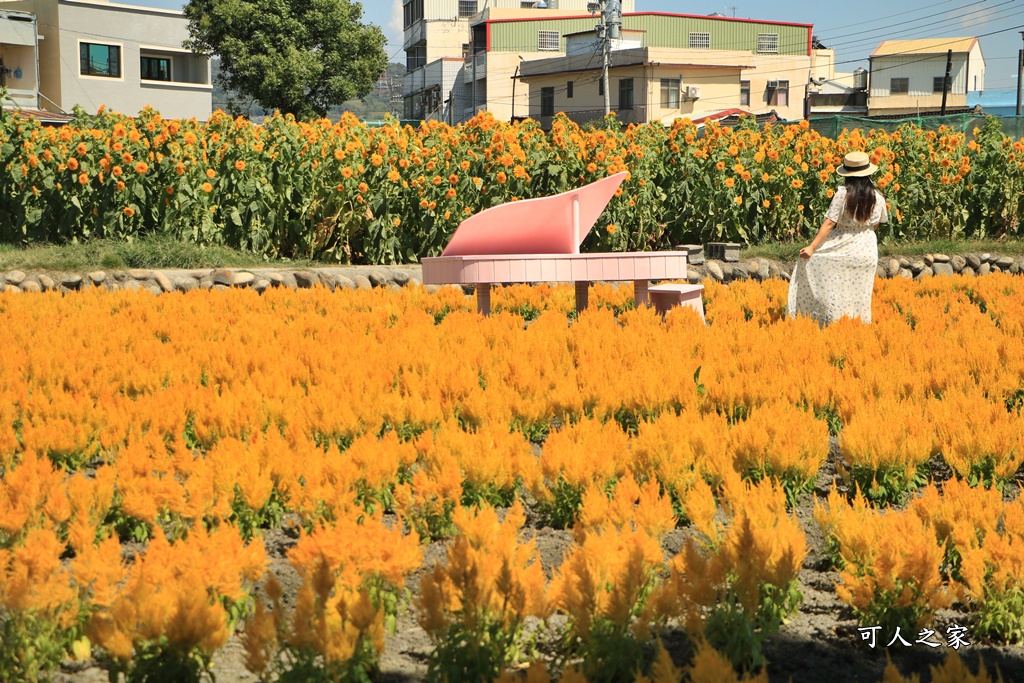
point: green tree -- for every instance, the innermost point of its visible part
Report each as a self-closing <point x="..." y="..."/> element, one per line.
<point x="298" y="56"/>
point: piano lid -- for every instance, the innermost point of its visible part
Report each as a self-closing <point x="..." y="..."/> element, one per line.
<point x="543" y="225"/>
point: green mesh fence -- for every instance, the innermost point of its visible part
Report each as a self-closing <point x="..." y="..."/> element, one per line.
<point x="415" y="123"/>
<point x="833" y="126"/>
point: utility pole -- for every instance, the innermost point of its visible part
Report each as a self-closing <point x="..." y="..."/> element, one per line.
<point x="395" y="96"/>
<point x="1020" y="74"/>
<point x="945" y="80"/>
<point x="608" y="30"/>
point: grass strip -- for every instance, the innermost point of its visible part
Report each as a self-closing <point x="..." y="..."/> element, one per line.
<point x="164" y="252"/>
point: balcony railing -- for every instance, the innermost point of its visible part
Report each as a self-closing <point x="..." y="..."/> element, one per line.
<point x="481" y="66"/>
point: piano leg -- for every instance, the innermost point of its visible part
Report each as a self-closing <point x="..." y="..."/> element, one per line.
<point x="582" y="296"/>
<point x="483" y="298"/>
<point x="640" y="293"/>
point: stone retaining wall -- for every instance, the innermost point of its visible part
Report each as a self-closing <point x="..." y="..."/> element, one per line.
<point x="910" y="267"/>
<point x="367" y="277"/>
<point x="259" y="279"/>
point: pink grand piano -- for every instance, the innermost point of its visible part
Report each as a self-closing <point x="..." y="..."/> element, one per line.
<point x="538" y="240"/>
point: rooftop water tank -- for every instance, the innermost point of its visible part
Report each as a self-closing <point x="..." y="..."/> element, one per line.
<point x="860" y="79"/>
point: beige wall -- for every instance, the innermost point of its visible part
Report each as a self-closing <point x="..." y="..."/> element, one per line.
<point x="792" y="68"/>
<point x="717" y="72"/>
<point x="911" y="104"/>
<point x="795" y="69"/>
<point x="501" y="67"/>
<point x="49" y="48"/>
<point x="823" y="64"/>
<point x="445" y="39"/>
<point x="720" y="89"/>
<point x="19" y="56"/>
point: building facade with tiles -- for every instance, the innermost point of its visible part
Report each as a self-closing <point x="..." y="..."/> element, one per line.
<point x="92" y="53"/>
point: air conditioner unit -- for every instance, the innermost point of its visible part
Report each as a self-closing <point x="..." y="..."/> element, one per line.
<point x="773" y="85"/>
<point x="693" y="92"/>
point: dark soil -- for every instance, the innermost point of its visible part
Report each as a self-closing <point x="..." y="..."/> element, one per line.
<point x="820" y="643"/>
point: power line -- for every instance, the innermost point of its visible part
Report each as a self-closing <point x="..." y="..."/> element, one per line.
<point x="911" y="21"/>
<point x="1000" y="15"/>
<point x="928" y="24"/>
<point x="805" y="85"/>
<point x="893" y="16"/>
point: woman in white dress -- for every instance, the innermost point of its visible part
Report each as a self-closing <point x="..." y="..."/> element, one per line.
<point x="835" y="273"/>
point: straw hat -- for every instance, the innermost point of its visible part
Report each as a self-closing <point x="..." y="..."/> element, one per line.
<point x="856" y="164"/>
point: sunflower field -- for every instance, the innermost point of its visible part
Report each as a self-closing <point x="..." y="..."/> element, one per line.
<point x="415" y="457"/>
<point x="342" y="191"/>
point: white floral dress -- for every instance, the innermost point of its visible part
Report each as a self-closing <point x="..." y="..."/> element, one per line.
<point x="839" y="277"/>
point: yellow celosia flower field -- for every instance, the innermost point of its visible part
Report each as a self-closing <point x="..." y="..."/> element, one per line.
<point x="148" y="445"/>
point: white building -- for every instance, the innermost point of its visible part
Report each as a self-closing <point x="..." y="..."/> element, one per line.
<point x="907" y="75"/>
<point x="92" y="53"/>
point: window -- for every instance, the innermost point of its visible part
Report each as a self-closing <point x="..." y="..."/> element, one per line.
<point x="744" y="93"/>
<point x="778" y="93"/>
<point x="415" y="57"/>
<point x="670" y="93"/>
<point x="900" y="86"/>
<point x="547" y="40"/>
<point x="625" y="93"/>
<point x="412" y="12"/>
<point x="768" y="43"/>
<point x="937" y="84"/>
<point x="156" y="68"/>
<point x="700" y="41"/>
<point x="100" y="60"/>
<point x="467" y="8"/>
<point x="479" y="38"/>
<point x="465" y="50"/>
<point x="600" y="86"/>
<point x="568" y="89"/>
<point x="547" y="101"/>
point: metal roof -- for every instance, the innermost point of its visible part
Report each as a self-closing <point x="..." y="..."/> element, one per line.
<point x="924" y="46"/>
<point x="42" y="115"/>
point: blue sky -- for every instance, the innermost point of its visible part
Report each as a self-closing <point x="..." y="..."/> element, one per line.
<point x="853" y="29"/>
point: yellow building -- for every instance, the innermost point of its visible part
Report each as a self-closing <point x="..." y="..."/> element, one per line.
<point x="645" y="84"/>
<point x="672" y="66"/>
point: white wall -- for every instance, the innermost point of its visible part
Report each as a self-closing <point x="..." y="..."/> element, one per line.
<point x="137" y="31"/>
<point x="975" y="69"/>
<point x="920" y="70"/>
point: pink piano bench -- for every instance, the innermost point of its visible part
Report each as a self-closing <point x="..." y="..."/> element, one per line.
<point x="664" y="297"/>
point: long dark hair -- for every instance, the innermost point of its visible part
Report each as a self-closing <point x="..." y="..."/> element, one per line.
<point x="860" y="197"/>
